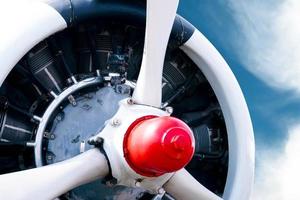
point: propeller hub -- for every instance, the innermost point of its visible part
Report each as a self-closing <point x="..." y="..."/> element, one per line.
<point x="155" y="145"/>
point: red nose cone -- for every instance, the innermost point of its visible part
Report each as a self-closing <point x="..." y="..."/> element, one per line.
<point x="157" y="145"/>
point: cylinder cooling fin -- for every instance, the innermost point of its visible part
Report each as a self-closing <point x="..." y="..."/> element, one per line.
<point x="14" y="128"/>
<point x="43" y="66"/>
<point x="65" y="88"/>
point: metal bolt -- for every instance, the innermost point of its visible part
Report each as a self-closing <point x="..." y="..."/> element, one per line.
<point x="91" y="142"/>
<point x="99" y="140"/>
<point x="49" y="136"/>
<point x="95" y="141"/>
<point x="49" y="157"/>
<point x="72" y="100"/>
<point x="161" y="191"/>
<point x="169" y="110"/>
<point x="130" y="101"/>
<point x="116" y="122"/>
<point x="111" y="182"/>
<point x="60" y="116"/>
<point x="138" y="184"/>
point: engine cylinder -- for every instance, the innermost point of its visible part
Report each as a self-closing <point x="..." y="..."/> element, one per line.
<point x="14" y="127"/>
<point x="103" y="49"/>
<point x="84" y="53"/>
<point x="43" y="67"/>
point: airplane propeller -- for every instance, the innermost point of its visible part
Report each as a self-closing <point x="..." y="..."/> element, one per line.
<point x="54" y="180"/>
<point x="51" y="181"/>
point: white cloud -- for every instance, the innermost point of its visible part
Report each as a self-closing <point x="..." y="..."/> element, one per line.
<point x="279" y="172"/>
<point x="270" y="42"/>
<point x="268" y="45"/>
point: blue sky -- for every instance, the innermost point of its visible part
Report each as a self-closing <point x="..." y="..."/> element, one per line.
<point x="261" y="42"/>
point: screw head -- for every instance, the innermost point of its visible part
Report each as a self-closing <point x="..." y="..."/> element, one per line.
<point x="116" y="122"/>
<point x="52" y="136"/>
<point x="49" y="157"/>
<point x="138" y="184"/>
<point x="169" y="110"/>
<point x="161" y="191"/>
<point x="130" y="101"/>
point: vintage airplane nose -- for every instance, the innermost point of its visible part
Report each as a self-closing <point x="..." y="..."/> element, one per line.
<point x="154" y="145"/>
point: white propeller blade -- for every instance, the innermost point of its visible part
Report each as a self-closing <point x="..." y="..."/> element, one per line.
<point x="51" y="181"/>
<point x="183" y="186"/>
<point x="159" y="21"/>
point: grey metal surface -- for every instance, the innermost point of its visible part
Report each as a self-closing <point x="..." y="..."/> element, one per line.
<point x="76" y="124"/>
<point x="51" y="108"/>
